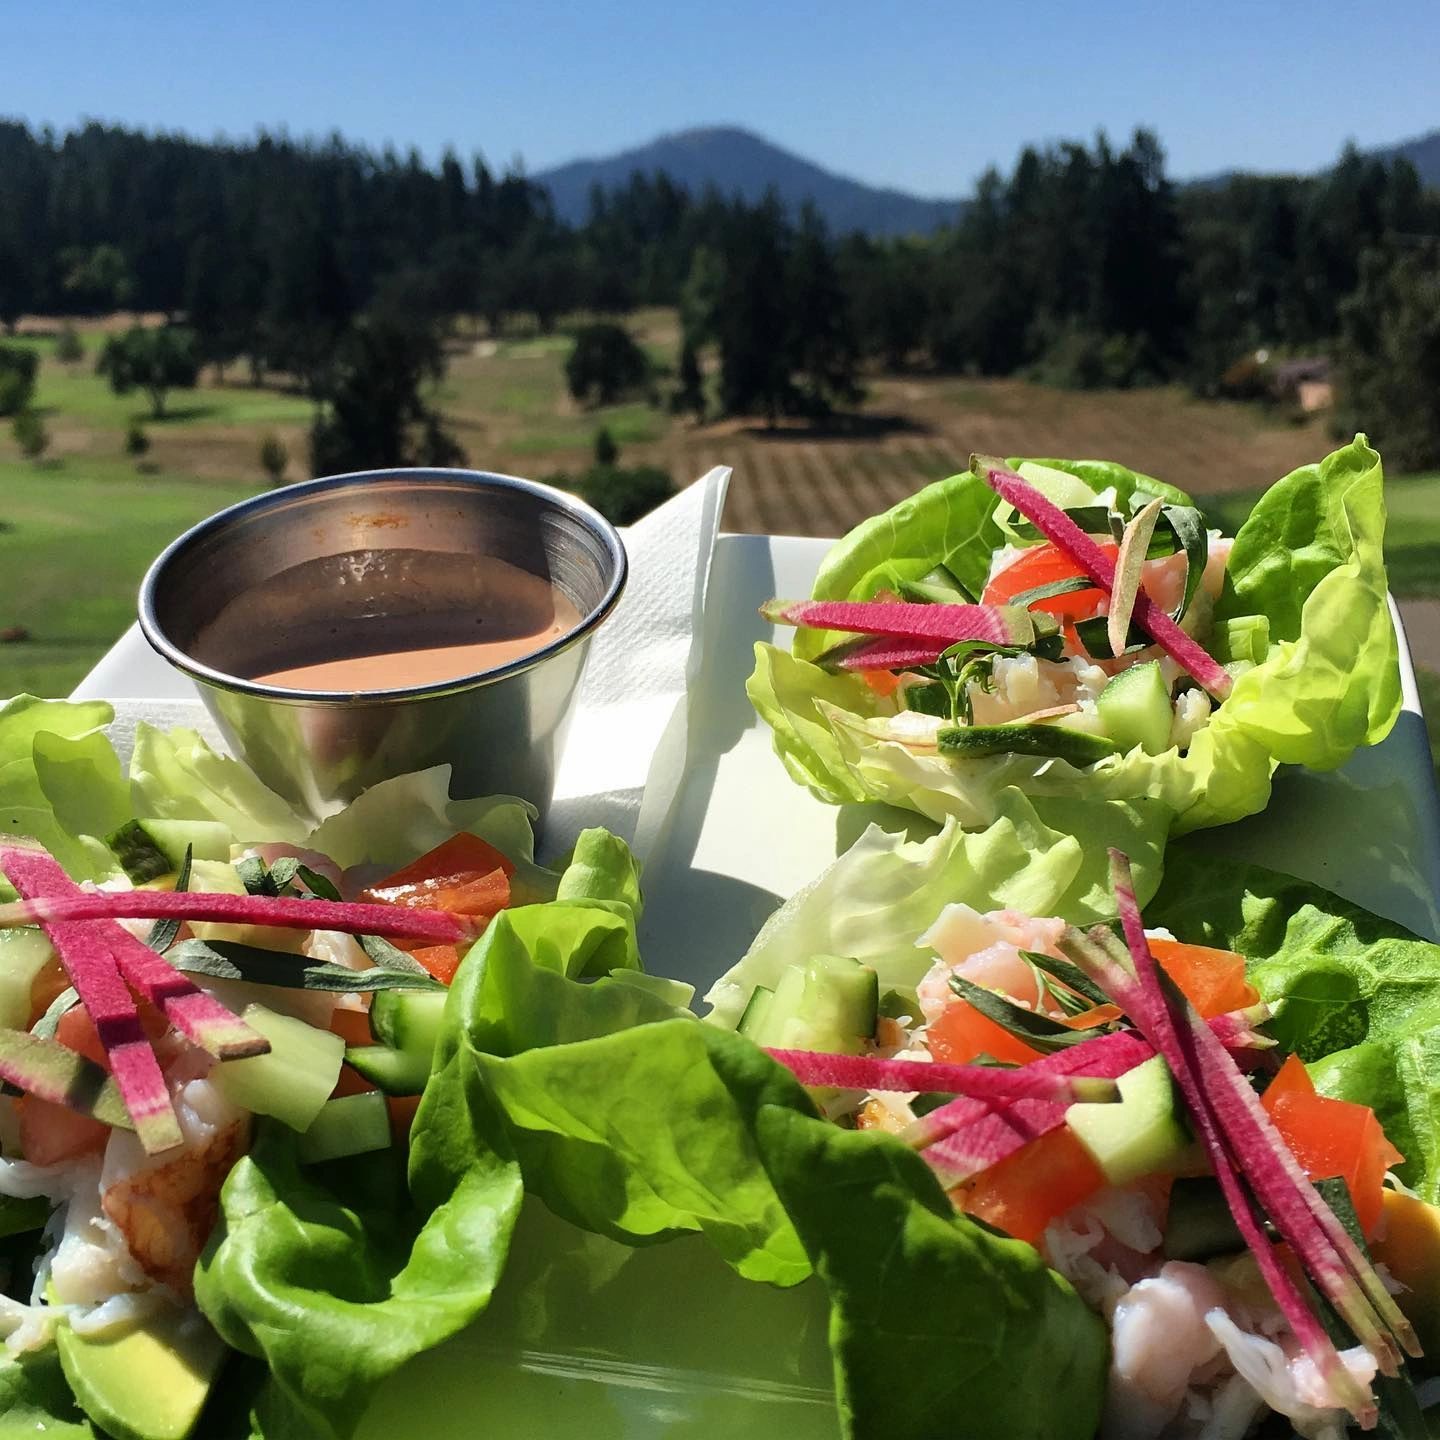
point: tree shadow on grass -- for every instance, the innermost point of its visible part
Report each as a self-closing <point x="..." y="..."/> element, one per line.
<point x="843" y="425"/>
<point x="178" y="414"/>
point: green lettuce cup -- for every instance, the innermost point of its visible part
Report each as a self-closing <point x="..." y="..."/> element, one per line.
<point x="1299" y="609"/>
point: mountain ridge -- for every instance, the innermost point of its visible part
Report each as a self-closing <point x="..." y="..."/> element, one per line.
<point x="736" y="160"/>
<point x="739" y="161"/>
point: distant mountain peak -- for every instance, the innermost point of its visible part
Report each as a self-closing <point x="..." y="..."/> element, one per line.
<point x="736" y="160"/>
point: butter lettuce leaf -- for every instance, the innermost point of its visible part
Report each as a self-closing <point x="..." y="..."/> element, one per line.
<point x="395" y="820"/>
<point x="937" y="1326"/>
<point x="1355" y="996"/>
<point x="175" y="775"/>
<point x="886" y="890"/>
<point x="635" y="1121"/>
<point x="335" y="1278"/>
<point x="608" y="1095"/>
<point x="58" y="774"/>
<point x="1310" y="558"/>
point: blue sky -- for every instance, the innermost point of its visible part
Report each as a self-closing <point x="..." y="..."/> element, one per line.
<point x="921" y="96"/>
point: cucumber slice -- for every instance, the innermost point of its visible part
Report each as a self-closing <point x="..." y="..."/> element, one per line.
<point x="1199" y="1225"/>
<point x="975" y="742"/>
<point x="752" y="1021"/>
<point x="786" y="1004"/>
<point x="830" y="1004"/>
<point x="1246" y="637"/>
<point x="1140" y="1135"/>
<point x="408" y="1019"/>
<point x="1135" y="709"/>
<point x="348" y="1125"/>
<point x="396" y="1072"/>
<point x="149" y="849"/>
<point x="23" y="955"/>
<point x="294" y="1080"/>
<point x="842" y="1003"/>
<point x="406" y="1023"/>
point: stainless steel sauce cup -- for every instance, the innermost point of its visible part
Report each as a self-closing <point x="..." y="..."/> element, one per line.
<point x="500" y="729"/>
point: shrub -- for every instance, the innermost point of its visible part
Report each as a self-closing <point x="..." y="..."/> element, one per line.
<point x="30" y="434"/>
<point x="605" y="364"/>
<point x="1081" y="359"/>
<point x="68" y="348"/>
<point x="274" y="457"/>
<point x="137" y="442"/>
<point x="17" y="378"/>
<point x="623" y="496"/>
<point x="155" y="361"/>
<point x="1389" y="357"/>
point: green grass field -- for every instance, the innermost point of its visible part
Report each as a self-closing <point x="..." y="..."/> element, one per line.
<point x="83" y="526"/>
<point x="75" y="543"/>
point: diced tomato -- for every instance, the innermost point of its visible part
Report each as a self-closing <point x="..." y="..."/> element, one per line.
<point x="882" y="682"/>
<point x="352" y="1026"/>
<point x="442" y="961"/>
<point x="464" y="876"/>
<point x="460" y="858"/>
<point x="1332" y="1138"/>
<point x="960" y="1033"/>
<point x="1213" y="981"/>
<point x="1042" y="565"/>
<point x="52" y="1133"/>
<point x="402" y="1110"/>
<point x="1027" y="1190"/>
<point x="76" y="1031"/>
<point x="481" y="896"/>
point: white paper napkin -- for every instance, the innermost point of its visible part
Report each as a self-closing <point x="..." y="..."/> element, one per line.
<point x="626" y="750"/>
<point x="627" y="746"/>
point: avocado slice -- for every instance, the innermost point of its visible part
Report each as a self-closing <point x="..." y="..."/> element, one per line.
<point x="148" y="1382"/>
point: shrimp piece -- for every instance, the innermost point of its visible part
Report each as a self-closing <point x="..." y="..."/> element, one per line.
<point x="165" y="1206"/>
<point x="1159" y="1339"/>
<point x="985" y="949"/>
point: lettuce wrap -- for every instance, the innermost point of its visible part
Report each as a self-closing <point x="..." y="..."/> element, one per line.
<point x="1308" y="563"/>
<point x="333" y="1274"/>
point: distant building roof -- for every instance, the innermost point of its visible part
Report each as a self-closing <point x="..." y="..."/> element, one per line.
<point x="1288" y="374"/>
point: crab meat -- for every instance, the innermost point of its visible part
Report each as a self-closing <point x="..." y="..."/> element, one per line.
<point x="165" y="1206"/>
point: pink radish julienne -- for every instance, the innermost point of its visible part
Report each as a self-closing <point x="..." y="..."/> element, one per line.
<point x="889" y="653"/>
<point x="1241" y="1142"/>
<point x="1062" y="531"/>
<point x="909" y="621"/>
<point x="394" y="921"/>
<point x="1307" y="1329"/>
<point x="1318" y="1237"/>
<point x="987" y="1082"/>
<point x="202" y="1019"/>
<point x="92" y="971"/>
